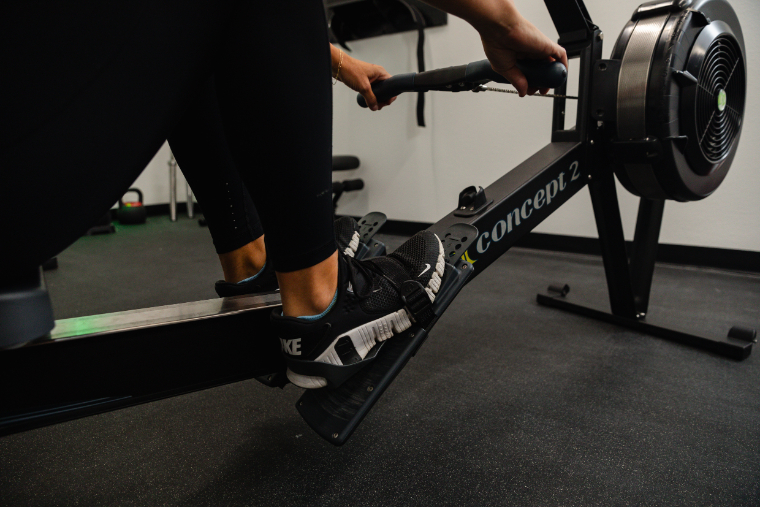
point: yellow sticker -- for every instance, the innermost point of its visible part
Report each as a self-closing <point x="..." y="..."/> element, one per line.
<point x="466" y="257"/>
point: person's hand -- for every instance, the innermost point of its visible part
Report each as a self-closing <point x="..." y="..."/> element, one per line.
<point x="521" y="41"/>
<point x="359" y="76"/>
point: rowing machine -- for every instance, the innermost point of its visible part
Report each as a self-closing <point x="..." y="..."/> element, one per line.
<point x="168" y="351"/>
<point x="664" y="114"/>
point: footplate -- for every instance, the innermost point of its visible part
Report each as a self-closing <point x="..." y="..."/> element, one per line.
<point x="369" y="224"/>
<point x="334" y="413"/>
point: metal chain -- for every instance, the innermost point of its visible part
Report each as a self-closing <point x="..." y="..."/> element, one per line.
<point x="484" y="88"/>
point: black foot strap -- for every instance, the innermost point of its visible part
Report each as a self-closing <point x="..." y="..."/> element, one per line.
<point x="417" y="302"/>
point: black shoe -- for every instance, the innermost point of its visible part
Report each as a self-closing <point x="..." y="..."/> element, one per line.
<point x="368" y="308"/>
<point x="265" y="281"/>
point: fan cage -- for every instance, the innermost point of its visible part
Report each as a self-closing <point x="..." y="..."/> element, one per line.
<point x="720" y="98"/>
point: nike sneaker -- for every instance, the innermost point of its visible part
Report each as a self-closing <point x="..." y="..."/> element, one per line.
<point x="368" y="308"/>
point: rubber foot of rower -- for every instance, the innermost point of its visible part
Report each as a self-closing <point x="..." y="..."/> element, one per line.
<point x="25" y="310"/>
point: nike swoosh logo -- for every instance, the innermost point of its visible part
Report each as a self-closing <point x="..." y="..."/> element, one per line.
<point x="427" y="266"/>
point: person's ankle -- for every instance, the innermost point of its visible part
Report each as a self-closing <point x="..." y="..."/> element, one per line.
<point x="245" y="262"/>
<point x="309" y="291"/>
<point x="314" y="303"/>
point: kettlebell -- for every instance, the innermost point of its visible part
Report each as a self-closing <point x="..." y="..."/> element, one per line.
<point x="132" y="212"/>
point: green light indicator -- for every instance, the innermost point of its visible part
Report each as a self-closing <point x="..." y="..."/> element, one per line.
<point x="721" y="100"/>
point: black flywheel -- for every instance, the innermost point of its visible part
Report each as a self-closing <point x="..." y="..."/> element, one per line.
<point x="680" y="94"/>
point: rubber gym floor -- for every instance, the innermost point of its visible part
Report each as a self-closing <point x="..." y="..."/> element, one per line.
<point x="507" y="403"/>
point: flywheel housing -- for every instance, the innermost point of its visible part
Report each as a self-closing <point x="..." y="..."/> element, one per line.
<point x="680" y="95"/>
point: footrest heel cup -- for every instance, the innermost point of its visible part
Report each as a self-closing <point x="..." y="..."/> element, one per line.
<point x="334" y="374"/>
<point x="335" y="413"/>
<point x="369" y="224"/>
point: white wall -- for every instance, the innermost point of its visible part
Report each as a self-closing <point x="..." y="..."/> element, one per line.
<point x="154" y="180"/>
<point x="416" y="174"/>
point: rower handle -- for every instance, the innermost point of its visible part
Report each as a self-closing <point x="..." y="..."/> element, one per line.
<point x="540" y="74"/>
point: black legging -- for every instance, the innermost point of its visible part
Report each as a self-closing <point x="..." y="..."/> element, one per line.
<point x="200" y="146"/>
<point x="90" y="91"/>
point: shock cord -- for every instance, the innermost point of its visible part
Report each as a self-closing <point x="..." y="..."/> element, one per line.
<point x="484" y="88"/>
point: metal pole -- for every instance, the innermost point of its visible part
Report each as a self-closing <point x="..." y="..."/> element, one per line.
<point x="612" y="241"/>
<point x="189" y="201"/>
<point x="173" y="188"/>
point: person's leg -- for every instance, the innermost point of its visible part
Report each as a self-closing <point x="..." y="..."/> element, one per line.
<point x="335" y="308"/>
<point x="282" y="63"/>
<point x="90" y="92"/>
<point x="199" y="144"/>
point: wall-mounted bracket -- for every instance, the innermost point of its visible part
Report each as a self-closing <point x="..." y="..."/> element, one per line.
<point x="361" y="19"/>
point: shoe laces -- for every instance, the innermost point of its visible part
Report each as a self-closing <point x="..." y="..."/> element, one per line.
<point x="367" y="269"/>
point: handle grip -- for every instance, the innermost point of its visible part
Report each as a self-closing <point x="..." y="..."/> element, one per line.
<point x="137" y="191"/>
<point x="394" y="85"/>
<point x="540" y="74"/>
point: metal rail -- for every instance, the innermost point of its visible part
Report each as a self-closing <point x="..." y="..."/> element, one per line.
<point x="95" y="364"/>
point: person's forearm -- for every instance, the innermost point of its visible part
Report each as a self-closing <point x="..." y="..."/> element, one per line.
<point x="488" y="17"/>
<point x="358" y="76"/>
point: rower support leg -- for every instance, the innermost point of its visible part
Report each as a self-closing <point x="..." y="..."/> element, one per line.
<point x="629" y="283"/>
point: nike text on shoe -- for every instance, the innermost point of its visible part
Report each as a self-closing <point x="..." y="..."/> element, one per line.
<point x="368" y="309"/>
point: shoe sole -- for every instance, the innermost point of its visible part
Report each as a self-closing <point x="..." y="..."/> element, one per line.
<point x="366" y="336"/>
